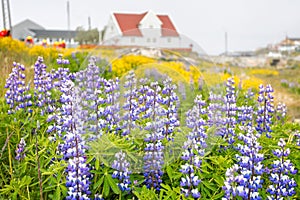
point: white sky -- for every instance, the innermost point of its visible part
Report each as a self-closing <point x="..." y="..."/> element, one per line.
<point x="250" y="24"/>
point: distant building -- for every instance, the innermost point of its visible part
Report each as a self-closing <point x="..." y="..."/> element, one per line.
<point x="145" y="29"/>
<point x="39" y="34"/>
<point x="289" y="45"/>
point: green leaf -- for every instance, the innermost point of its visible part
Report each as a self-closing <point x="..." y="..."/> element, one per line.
<point x="57" y="193"/>
<point x="97" y="164"/>
<point x="106" y="187"/>
<point x="170" y="173"/>
<point x="99" y="182"/>
<point x="113" y="185"/>
<point x="218" y="196"/>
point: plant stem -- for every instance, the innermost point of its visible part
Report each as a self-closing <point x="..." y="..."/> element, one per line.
<point x="9" y="157"/>
<point x="5" y="144"/>
<point x="39" y="167"/>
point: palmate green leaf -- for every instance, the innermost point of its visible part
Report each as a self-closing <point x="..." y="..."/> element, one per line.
<point x="145" y="194"/>
<point x="105" y="148"/>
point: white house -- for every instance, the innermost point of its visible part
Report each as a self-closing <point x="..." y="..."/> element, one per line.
<point x="289" y="45"/>
<point x="145" y="29"/>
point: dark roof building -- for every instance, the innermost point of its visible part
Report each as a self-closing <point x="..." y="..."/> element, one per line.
<point x="29" y="28"/>
<point x="64" y="34"/>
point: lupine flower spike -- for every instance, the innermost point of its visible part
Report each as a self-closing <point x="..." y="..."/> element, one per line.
<point x="265" y="110"/>
<point x="17" y="95"/>
<point x="193" y="149"/>
<point x="282" y="184"/>
<point x="122" y="172"/>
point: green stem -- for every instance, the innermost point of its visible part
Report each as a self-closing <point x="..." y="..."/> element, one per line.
<point x="39" y="167"/>
<point x="9" y="157"/>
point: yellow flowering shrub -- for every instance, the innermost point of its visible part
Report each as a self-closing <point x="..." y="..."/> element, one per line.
<point x="10" y="45"/>
<point x="36" y="51"/>
<point x="126" y="63"/>
<point x="267" y="72"/>
<point x="251" y="82"/>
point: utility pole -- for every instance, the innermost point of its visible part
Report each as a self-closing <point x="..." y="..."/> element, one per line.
<point x="226" y="44"/>
<point x="68" y="13"/>
<point x="6" y="15"/>
<point x="89" y="23"/>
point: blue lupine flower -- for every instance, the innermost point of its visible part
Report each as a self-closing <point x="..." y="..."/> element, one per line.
<point x="229" y="109"/>
<point x="17" y="94"/>
<point x="122" y="172"/>
<point x="61" y="61"/>
<point x="153" y="158"/>
<point x="43" y="85"/>
<point x="73" y="149"/>
<point x="282" y="184"/>
<point x="131" y="106"/>
<point x="193" y="149"/>
<point x="170" y="100"/>
<point x="244" y="178"/>
<point x="265" y="110"/>
<point x="20" y="154"/>
<point x="111" y="111"/>
<point x="297" y="135"/>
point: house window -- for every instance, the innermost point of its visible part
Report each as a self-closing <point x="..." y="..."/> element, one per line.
<point x="154" y="40"/>
<point x="132" y="40"/>
<point x="148" y="40"/>
<point x="169" y="40"/>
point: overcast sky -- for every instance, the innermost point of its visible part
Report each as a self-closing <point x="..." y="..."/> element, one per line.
<point x="250" y="24"/>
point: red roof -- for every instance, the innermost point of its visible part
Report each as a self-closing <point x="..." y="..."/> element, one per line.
<point x="129" y="24"/>
<point x="168" y="29"/>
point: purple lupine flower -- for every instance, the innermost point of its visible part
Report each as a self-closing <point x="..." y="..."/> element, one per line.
<point x="61" y="61"/>
<point x="244" y="178"/>
<point x="62" y="81"/>
<point x="265" y="110"/>
<point x="153" y="158"/>
<point x="170" y="100"/>
<point x="131" y="106"/>
<point x="215" y="113"/>
<point x="193" y="149"/>
<point x="20" y="154"/>
<point x="42" y="87"/>
<point x="181" y="90"/>
<point x="17" y="94"/>
<point x="222" y="112"/>
<point x="281" y="111"/>
<point x="297" y="135"/>
<point x="112" y="108"/>
<point x="73" y="148"/>
<point x="229" y="110"/>
<point x="282" y="184"/>
<point x="93" y="97"/>
<point x="122" y="172"/>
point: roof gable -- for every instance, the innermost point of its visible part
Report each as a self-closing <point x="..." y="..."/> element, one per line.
<point x="129" y="23"/>
<point x="168" y="29"/>
<point x="28" y="24"/>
